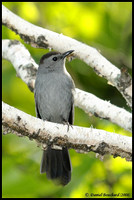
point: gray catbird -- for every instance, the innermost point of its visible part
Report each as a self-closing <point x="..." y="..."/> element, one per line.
<point x="54" y="102"/>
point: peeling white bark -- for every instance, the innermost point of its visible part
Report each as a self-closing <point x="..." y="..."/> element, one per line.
<point x="40" y="37"/>
<point x="26" y="68"/>
<point x="21" y="59"/>
<point x="79" y="138"/>
<point x="103" y="109"/>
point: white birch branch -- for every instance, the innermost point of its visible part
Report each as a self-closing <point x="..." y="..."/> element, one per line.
<point x="26" y="68"/>
<point x="40" y="37"/>
<point x="78" y="138"/>
<point x="103" y="109"/>
<point x="19" y="56"/>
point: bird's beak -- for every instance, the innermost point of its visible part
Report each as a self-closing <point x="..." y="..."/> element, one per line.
<point x="66" y="53"/>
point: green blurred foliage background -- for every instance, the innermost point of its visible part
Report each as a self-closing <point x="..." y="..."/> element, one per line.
<point x="105" y="26"/>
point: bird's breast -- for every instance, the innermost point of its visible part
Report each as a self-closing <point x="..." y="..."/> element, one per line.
<point x="54" y="94"/>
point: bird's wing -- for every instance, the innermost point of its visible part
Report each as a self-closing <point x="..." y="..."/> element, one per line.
<point x="37" y="111"/>
<point x="71" y="114"/>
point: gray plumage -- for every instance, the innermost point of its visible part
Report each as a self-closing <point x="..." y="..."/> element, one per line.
<point x="54" y="102"/>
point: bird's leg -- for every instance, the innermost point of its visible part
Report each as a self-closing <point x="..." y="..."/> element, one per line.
<point x="68" y="125"/>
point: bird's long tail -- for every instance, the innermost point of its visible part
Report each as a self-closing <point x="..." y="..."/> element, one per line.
<point x="57" y="165"/>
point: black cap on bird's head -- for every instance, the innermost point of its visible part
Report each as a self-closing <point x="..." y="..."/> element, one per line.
<point x="55" y="56"/>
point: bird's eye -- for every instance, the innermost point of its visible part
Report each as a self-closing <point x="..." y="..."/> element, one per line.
<point x="54" y="58"/>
